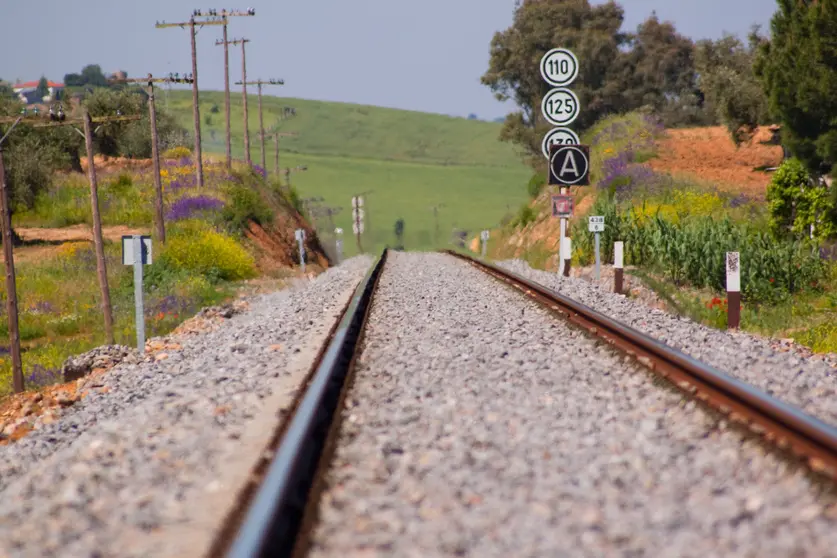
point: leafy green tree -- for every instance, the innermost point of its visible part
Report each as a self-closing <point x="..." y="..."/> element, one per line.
<point x="798" y="68"/>
<point x="127" y="139"/>
<point x="43" y="88"/>
<point x="657" y="71"/>
<point x="592" y="32"/>
<point x="798" y="204"/>
<point x="728" y="81"/>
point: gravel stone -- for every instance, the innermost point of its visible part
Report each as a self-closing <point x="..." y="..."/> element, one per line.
<point x="528" y="438"/>
<point x="808" y="383"/>
<point x="126" y="463"/>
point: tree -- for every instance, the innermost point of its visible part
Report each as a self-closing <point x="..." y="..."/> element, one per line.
<point x="92" y="75"/>
<point x="727" y="79"/>
<point x="798" y="69"/>
<point x="43" y="88"/>
<point x="657" y="71"/>
<point x="539" y="25"/>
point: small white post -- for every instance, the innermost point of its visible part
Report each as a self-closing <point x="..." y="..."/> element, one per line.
<point x="733" y="290"/>
<point x="484" y="241"/>
<point x="300" y="238"/>
<point x="338" y="242"/>
<point x="618" y="264"/>
<point x="561" y="239"/>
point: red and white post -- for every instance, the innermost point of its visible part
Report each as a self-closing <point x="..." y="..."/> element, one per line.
<point x="567" y="254"/>
<point x="618" y="266"/>
<point x="733" y="290"/>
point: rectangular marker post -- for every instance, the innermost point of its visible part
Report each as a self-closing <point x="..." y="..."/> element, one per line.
<point x="140" y="314"/>
<point x="136" y="251"/>
<point x="338" y="244"/>
<point x="484" y="242"/>
<point x="598" y="273"/>
<point x="733" y="290"/>
<point x="618" y="252"/>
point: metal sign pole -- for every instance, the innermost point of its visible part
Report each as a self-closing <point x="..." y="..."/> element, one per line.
<point x="561" y="246"/>
<point x="338" y="242"/>
<point x="140" y="315"/>
<point x="598" y="274"/>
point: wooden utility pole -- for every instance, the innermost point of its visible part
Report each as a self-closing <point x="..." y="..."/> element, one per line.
<point x="288" y="172"/>
<point x="244" y="97"/>
<point x="276" y="135"/>
<point x="196" y="113"/>
<point x="11" y="281"/>
<point x="259" y="83"/>
<point x="225" y="14"/>
<point x="159" y="221"/>
<point x="98" y="242"/>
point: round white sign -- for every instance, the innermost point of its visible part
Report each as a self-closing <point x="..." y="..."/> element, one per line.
<point x="559" y="67"/>
<point x="560" y="106"/>
<point x="558" y="136"/>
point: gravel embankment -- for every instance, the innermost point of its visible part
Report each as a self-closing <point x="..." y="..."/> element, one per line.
<point x="808" y="383"/>
<point x="148" y="465"/>
<point x="480" y="425"/>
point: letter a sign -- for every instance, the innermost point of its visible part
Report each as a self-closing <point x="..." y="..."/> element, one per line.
<point x="569" y="165"/>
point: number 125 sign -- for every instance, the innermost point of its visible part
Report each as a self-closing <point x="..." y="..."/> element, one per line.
<point x="560" y="106"/>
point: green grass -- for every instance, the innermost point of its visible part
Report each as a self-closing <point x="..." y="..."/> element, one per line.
<point x="349" y="130"/>
<point x="410" y="160"/>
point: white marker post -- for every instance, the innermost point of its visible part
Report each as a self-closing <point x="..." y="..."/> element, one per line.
<point x="596" y="224"/>
<point x="300" y="239"/>
<point x="338" y="244"/>
<point x="733" y="290"/>
<point x="484" y="241"/>
<point x="618" y="264"/>
<point x="136" y="251"/>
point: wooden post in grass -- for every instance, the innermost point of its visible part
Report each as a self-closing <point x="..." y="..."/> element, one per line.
<point x="618" y="265"/>
<point x="98" y="242"/>
<point x="11" y="282"/>
<point x="733" y="290"/>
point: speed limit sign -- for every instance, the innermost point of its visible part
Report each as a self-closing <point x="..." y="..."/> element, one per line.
<point x="560" y="106"/>
<point x="559" y="67"/>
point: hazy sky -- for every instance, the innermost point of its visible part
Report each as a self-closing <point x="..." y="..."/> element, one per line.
<point x="425" y="55"/>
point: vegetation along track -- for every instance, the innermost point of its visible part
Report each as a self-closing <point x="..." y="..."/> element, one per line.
<point x="281" y="514"/>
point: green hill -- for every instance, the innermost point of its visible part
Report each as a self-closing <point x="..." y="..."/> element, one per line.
<point x="410" y="160"/>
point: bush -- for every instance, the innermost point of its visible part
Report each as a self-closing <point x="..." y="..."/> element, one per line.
<point x="178" y="152"/>
<point x="525" y="216"/>
<point x="796" y="203"/>
<point x="536" y="185"/>
<point x="195" y="247"/>
<point x="244" y="205"/>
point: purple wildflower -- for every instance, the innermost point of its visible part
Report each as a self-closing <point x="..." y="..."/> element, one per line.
<point x="187" y="206"/>
<point x="41" y="376"/>
<point x="262" y="172"/>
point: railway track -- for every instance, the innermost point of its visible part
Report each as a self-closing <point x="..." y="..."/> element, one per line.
<point x="277" y="518"/>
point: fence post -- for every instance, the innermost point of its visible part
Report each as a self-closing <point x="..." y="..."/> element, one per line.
<point x="618" y="264"/>
<point x="733" y="290"/>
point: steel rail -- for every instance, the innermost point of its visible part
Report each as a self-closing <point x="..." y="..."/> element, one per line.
<point x="782" y="424"/>
<point x="276" y="515"/>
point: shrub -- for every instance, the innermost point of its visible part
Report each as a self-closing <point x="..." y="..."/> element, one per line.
<point x="525" y="216"/>
<point x="199" y="249"/>
<point x="536" y="185"/>
<point x="177" y="152"/>
<point x="244" y="205"/>
<point x="796" y="203"/>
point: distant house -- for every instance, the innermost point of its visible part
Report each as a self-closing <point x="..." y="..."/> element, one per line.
<point x="27" y="95"/>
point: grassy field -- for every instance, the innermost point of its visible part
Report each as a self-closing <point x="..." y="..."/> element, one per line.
<point x="410" y="161"/>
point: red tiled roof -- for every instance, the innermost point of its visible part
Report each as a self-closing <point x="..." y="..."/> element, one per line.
<point x="29" y="84"/>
